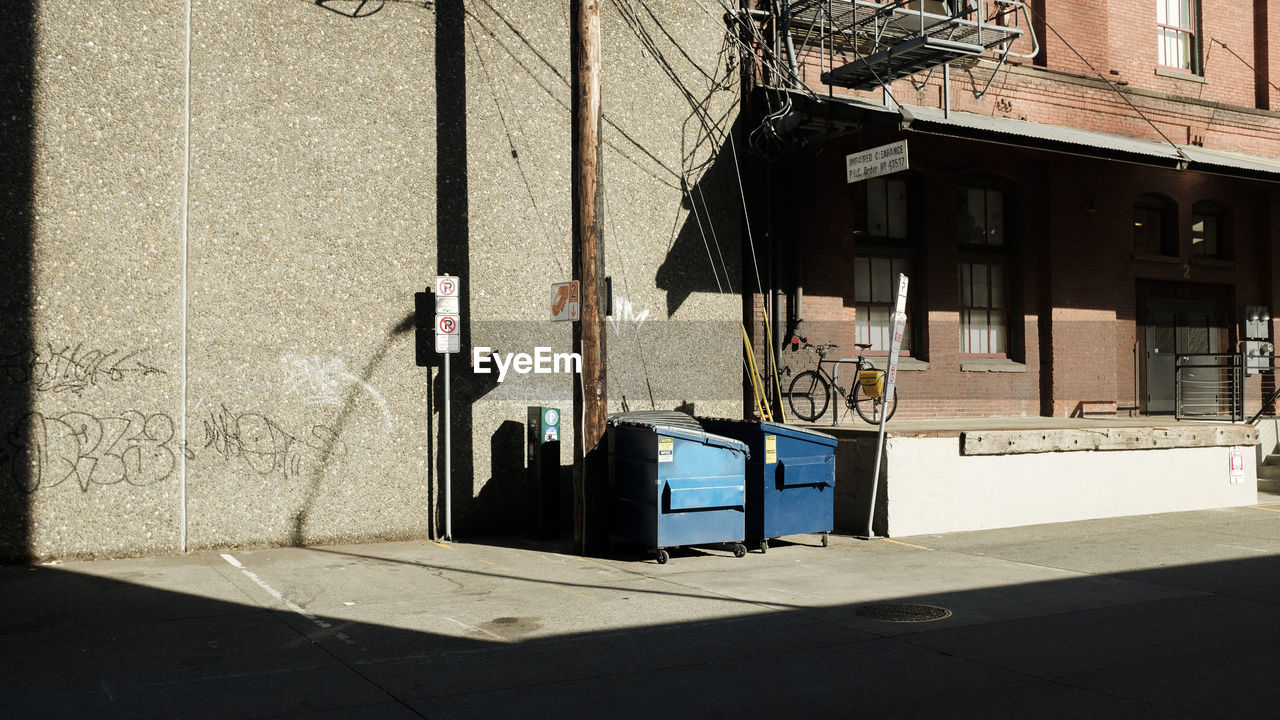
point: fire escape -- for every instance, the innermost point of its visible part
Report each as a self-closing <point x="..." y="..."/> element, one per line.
<point x="863" y="45"/>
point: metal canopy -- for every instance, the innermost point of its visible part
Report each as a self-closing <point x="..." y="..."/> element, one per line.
<point x="826" y="112"/>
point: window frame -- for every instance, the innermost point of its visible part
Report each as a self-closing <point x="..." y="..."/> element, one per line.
<point x="1183" y="38"/>
<point x="1208" y="209"/>
<point x="1004" y="265"/>
<point x="1002" y="255"/>
<point x="862" y="322"/>
<point x="902" y="247"/>
<point x="965" y="192"/>
<point x="1166" y="211"/>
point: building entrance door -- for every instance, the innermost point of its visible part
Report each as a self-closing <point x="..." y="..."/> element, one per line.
<point x="1174" y="327"/>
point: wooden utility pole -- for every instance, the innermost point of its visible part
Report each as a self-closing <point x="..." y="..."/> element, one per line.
<point x="590" y="481"/>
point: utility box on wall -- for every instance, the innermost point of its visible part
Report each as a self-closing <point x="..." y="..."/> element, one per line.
<point x="1256" y="322"/>
<point x="1255" y="326"/>
<point x="543" y="457"/>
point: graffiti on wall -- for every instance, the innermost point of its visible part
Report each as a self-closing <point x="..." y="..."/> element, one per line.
<point x="323" y="380"/>
<point x="265" y="447"/>
<point x="73" y="369"/>
<point x="44" y="452"/>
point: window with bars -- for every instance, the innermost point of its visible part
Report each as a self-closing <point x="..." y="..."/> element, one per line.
<point x="875" y="292"/>
<point x="1176" y="36"/>
<point x="984" y="309"/>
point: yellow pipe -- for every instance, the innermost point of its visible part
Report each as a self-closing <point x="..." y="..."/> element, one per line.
<point x="777" y="384"/>
<point x="755" y="379"/>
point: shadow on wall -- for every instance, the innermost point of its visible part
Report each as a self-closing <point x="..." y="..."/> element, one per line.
<point x="17" y="362"/>
<point x="333" y="440"/>
<point x="706" y="253"/>
<point x="502" y="505"/>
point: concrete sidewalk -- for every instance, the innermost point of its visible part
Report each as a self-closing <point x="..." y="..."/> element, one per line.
<point x="1164" y="616"/>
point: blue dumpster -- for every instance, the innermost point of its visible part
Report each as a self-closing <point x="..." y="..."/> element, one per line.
<point x="791" y="478"/>
<point x="673" y="485"/>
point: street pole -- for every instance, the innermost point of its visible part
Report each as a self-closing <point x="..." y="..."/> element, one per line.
<point x="448" y="457"/>
<point x="589" y="396"/>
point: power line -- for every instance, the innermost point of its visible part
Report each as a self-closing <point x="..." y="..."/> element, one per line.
<point x="1246" y="62"/>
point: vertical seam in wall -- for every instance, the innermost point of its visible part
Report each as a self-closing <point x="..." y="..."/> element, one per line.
<point x="186" y="189"/>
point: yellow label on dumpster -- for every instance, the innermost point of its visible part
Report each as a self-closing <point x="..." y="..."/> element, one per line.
<point x="666" y="449"/>
<point x="770" y="449"/>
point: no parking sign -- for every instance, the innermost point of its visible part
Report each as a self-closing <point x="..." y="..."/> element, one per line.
<point x="448" y="321"/>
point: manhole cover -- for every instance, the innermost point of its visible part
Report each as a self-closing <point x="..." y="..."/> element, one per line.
<point x="902" y="612"/>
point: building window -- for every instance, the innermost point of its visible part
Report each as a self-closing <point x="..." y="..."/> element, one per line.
<point x="1207" y="230"/>
<point x="880" y="209"/>
<point x="980" y="219"/>
<point x="1154" y="229"/>
<point x="984" y="309"/>
<point x="875" y="295"/>
<point x="1176" y="22"/>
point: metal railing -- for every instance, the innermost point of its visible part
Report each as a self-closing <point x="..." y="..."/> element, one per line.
<point x="1209" y="385"/>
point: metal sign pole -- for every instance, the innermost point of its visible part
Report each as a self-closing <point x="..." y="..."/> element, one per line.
<point x="448" y="327"/>
<point x="891" y="376"/>
<point x="448" y="458"/>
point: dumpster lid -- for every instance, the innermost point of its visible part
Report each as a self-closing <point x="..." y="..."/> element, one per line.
<point x="772" y="428"/>
<point x="671" y="418"/>
<point x="690" y="432"/>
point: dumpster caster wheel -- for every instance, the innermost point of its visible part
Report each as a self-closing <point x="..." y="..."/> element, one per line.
<point x="764" y="545"/>
<point x="826" y="540"/>
<point x="739" y="550"/>
<point x="663" y="557"/>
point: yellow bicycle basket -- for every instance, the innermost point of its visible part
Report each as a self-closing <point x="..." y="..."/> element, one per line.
<point x="872" y="382"/>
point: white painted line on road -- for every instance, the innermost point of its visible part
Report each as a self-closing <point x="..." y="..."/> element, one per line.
<point x="1241" y="547"/>
<point x="473" y="628"/>
<point x="291" y="605"/>
<point x="792" y="592"/>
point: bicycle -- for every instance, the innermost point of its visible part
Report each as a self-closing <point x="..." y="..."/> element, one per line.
<point x="810" y="391"/>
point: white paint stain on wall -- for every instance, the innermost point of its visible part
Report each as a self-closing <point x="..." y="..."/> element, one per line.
<point x="625" y="316"/>
<point x="323" y="380"/>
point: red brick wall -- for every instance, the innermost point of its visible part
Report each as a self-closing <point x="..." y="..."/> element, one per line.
<point x="1077" y="275"/>
<point x="1118" y="39"/>
<point x="1080" y="336"/>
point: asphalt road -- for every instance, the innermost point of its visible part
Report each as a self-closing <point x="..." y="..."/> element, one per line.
<point x="1164" y="616"/>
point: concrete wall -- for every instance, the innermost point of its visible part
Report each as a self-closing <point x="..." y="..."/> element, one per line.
<point x="928" y="486"/>
<point x="210" y="340"/>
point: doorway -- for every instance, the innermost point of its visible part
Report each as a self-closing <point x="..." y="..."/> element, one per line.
<point x="1173" y="328"/>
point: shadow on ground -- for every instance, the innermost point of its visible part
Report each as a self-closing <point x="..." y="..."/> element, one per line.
<point x="83" y="645"/>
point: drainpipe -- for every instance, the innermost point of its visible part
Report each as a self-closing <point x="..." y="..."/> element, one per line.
<point x="791" y="48"/>
<point x="946" y="90"/>
<point x="1136" y="402"/>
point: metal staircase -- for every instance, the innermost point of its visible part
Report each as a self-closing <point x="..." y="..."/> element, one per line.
<point x="865" y="44"/>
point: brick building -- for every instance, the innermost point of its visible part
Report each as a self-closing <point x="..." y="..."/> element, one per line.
<point x="1089" y="196"/>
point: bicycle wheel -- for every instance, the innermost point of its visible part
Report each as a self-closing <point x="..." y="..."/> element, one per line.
<point x="808" y="395"/>
<point x="868" y="408"/>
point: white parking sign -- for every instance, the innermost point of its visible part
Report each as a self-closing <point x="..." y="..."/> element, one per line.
<point x="448" y="321"/>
